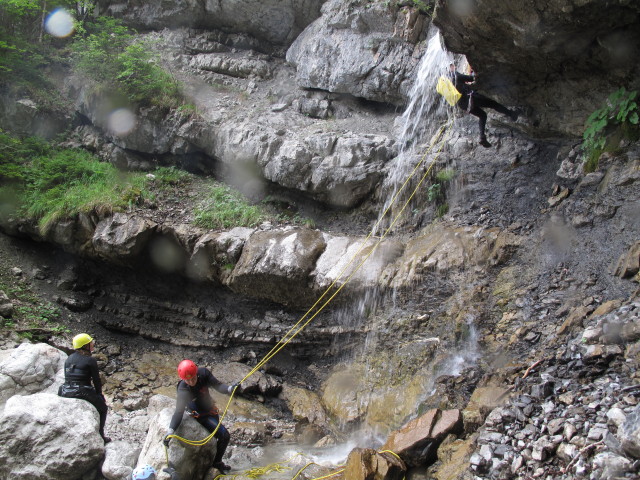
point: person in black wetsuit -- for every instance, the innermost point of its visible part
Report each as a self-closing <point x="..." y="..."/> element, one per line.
<point x="473" y="102"/>
<point x="193" y="394"/>
<point x="80" y="371"/>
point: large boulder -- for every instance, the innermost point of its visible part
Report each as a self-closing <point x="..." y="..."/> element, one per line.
<point x="274" y="21"/>
<point x="368" y="50"/>
<point x="216" y="253"/>
<point x="305" y="405"/>
<point x="258" y="383"/>
<point x="31" y="368"/>
<point x="367" y="464"/>
<point x="189" y="461"/>
<point x="417" y="441"/>
<point x="121" y="237"/>
<point x="46" y="436"/>
<point x="119" y="460"/>
<point x="275" y="265"/>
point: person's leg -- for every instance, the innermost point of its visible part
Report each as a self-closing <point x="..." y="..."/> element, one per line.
<point x="485" y="102"/>
<point x="210" y="422"/>
<point x="482" y="121"/>
<point x="91" y="396"/>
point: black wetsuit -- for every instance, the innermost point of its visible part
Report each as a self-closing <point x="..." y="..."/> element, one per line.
<point x="478" y="101"/>
<point x="198" y="399"/>
<point x="80" y="370"/>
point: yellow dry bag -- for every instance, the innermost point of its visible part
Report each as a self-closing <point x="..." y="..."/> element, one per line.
<point x="448" y="90"/>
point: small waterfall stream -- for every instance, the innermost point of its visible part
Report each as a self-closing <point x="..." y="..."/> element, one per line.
<point x="425" y="113"/>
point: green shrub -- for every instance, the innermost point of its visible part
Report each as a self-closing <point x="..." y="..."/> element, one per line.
<point x="226" y="208"/>
<point x="606" y="126"/>
<point x="110" y="56"/>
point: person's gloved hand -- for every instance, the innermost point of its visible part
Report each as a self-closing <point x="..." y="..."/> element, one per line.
<point x="233" y="387"/>
<point x="166" y="438"/>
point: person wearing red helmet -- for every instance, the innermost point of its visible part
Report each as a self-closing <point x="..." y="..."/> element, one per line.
<point x="193" y="395"/>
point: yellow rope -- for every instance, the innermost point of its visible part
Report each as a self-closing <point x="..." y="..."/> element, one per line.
<point x="282" y="342"/>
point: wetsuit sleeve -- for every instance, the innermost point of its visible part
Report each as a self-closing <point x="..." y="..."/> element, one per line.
<point x="181" y="403"/>
<point x="95" y="375"/>
<point x="213" y="382"/>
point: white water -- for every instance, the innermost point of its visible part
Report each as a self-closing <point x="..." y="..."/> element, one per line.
<point x="425" y="113"/>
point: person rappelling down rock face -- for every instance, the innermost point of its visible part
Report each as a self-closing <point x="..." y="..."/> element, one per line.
<point x="193" y="395"/>
<point x="473" y="101"/>
<point x="80" y="370"/>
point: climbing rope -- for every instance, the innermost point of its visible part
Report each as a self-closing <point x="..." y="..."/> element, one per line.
<point x="299" y="326"/>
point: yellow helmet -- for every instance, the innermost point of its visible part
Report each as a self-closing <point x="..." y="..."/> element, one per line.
<point x="81" y="340"/>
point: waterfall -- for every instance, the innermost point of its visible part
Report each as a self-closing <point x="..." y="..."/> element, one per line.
<point x="425" y="113"/>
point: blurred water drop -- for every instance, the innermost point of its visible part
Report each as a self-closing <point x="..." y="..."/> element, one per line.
<point x="121" y="121"/>
<point x="59" y="23"/>
<point x="166" y="255"/>
<point x="462" y="8"/>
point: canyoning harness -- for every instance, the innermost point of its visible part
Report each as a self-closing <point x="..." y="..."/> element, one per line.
<point x="214" y="412"/>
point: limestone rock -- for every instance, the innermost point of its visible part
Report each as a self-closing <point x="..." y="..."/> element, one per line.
<point x="25" y="117"/>
<point x="189" y="461"/>
<point x="215" y="254"/>
<point x="368" y="51"/>
<point x="275" y="265"/>
<point x="31" y="368"/>
<point x="121" y="237"/>
<point x="119" y="460"/>
<point x="259" y="382"/>
<point x="339" y="260"/>
<point x="629" y="263"/>
<point x="342" y="394"/>
<point x="46" y="436"/>
<point x="6" y="307"/>
<point x="367" y="464"/>
<point x="629" y="434"/>
<point x="418" y="440"/>
<point x="305" y="405"/>
<point x="336" y="168"/>
<point x="445" y="249"/>
<point x="483" y="400"/>
<point x="273" y="21"/>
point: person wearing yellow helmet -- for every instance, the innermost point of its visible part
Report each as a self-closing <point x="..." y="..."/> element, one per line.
<point x="82" y="379"/>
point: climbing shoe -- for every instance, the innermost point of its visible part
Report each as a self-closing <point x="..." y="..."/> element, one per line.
<point x="484" y="142"/>
<point x="514" y="115"/>
<point x="223" y="467"/>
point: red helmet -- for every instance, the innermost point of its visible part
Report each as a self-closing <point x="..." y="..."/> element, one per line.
<point x="187" y="369"/>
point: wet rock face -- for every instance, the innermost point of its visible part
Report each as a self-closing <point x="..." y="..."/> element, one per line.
<point x="563" y="60"/>
<point x="273" y="21"/>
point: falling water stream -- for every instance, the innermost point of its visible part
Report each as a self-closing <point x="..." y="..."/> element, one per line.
<point x="425" y="113"/>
